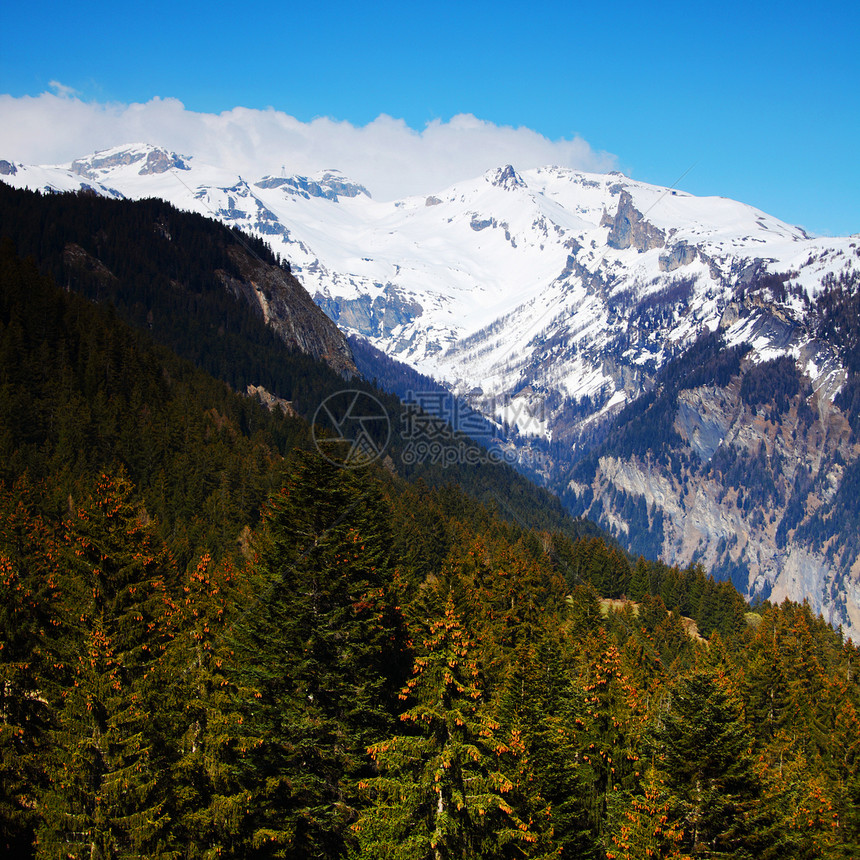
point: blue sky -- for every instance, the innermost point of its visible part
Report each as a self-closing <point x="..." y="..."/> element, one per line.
<point x="758" y="102"/>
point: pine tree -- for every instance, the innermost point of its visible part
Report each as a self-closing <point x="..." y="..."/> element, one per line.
<point x="706" y="755"/>
<point x="105" y="797"/>
<point x="322" y="648"/>
<point x="453" y="788"/>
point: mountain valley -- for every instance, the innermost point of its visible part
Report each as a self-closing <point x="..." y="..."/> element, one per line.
<point x="682" y="370"/>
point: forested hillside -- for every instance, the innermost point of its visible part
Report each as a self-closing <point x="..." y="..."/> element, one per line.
<point x="158" y="268"/>
<point x="216" y="643"/>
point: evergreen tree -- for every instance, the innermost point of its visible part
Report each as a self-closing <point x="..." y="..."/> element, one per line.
<point x="705" y="752"/>
<point x="643" y="827"/>
<point x="640" y="580"/>
<point x="539" y="702"/>
<point x="610" y="720"/>
<point x="797" y="811"/>
<point x="28" y="612"/>
<point x="209" y="803"/>
<point x="453" y="788"/>
<point x="105" y="797"/>
<point x="322" y="648"/>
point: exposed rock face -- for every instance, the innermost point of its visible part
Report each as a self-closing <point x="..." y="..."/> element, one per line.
<point x="153" y="161"/>
<point x="372" y="317"/>
<point x="629" y="229"/>
<point x="676" y="256"/>
<point x="746" y="490"/>
<point x="332" y="185"/>
<point x="505" y="177"/>
<point x="76" y="258"/>
<point x="703" y="419"/>
<point x="286" y="306"/>
<point x="271" y="401"/>
<point x="160" y="161"/>
<point x="7" y="168"/>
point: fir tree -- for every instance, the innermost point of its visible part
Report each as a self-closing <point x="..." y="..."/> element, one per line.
<point x="105" y="797"/>
<point x="321" y="647"/>
<point x="453" y="788"/>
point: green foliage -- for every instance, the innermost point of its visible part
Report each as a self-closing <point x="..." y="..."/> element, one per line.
<point x="208" y="802"/>
<point x="28" y="611"/>
<point x="773" y="382"/>
<point x="453" y="788"/>
<point x="105" y="793"/>
<point x="704" y="750"/>
<point x="81" y="392"/>
<point x="321" y="646"/>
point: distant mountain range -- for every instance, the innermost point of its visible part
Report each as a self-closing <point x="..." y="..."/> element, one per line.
<point x="681" y="369"/>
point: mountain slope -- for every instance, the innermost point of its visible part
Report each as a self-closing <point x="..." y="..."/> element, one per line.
<point x="551" y="300"/>
<point x="155" y="262"/>
<point x="174" y="291"/>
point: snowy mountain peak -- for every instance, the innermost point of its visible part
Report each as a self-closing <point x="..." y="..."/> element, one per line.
<point x="146" y="158"/>
<point x="564" y="299"/>
<point x="505" y="177"/>
<point x="328" y="184"/>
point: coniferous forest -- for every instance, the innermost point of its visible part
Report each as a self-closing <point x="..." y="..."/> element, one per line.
<point x="216" y="643"/>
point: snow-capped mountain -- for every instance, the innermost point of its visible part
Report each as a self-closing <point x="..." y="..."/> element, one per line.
<point x="555" y="259"/>
<point x="550" y="298"/>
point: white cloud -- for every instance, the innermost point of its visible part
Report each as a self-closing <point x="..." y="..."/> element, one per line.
<point x="62" y="90"/>
<point x="390" y="158"/>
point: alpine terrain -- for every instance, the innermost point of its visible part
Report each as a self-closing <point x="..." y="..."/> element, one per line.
<point x="683" y="370"/>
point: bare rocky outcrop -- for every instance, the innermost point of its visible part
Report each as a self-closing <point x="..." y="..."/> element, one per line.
<point x="505" y="177"/>
<point x="676" y="256"/>
<point x="152" y="160"/>
<point x="629" y="229"/>
<point x="376" y="317"/>
<point x="77" y="259"/>
<point x="331" y="185"/>
<point x="271" y="401"/>
<point x="288" y="309"/>
<point x="160" y="161"/>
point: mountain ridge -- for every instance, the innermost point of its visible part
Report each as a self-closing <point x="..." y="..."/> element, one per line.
<point x="551" y="299"/>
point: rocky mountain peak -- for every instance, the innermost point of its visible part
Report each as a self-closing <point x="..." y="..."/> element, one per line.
<point x="505" y="177"/>
<point x="151" y="159"/>
<point x="329" y="185"/>
<point x="629" y="229"/>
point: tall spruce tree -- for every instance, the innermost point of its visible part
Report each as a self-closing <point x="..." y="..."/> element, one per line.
<point x="321" y="645"/>
<point x="208" y="800"/>
<point x="643" y="827"/>
<point x="106" y="777"/>
<point x="454" y="787"/>
<point x="539" y="702"/>
<point x="705" y="751"/>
